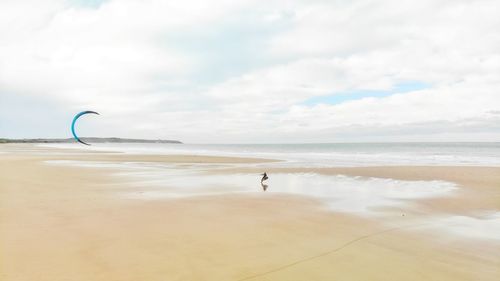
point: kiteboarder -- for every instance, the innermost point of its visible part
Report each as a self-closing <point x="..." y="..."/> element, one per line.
<point x="264" y="177"/>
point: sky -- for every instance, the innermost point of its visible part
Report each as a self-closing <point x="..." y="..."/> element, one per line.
<point x="272" y="71"/>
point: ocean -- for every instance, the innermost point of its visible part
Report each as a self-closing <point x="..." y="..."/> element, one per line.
<point x="327" y="154"/>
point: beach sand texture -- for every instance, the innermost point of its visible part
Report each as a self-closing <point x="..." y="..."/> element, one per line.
<point x="62" y="222"/>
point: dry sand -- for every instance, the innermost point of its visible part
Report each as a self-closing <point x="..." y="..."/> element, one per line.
<point x="67" y="223"/>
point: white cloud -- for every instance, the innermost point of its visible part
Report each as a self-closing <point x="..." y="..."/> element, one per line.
<point x="127" y="59"/>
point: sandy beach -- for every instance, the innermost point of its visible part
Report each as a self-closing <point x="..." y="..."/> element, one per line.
<point x="249" y="140"/>
<point x="67" y="222"/>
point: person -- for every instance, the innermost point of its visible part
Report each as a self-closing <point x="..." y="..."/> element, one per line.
<point x="264" y="177"/>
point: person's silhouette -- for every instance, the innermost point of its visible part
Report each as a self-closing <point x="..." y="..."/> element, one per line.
<point x="264" y="177"/>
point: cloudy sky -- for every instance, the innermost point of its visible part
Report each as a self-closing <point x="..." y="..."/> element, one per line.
<point x="226" y="71"/>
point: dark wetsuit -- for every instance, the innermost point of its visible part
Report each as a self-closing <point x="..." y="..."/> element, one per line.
<point x="264" y="177"/>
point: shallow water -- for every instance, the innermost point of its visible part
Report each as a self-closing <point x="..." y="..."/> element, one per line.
<point x="357" y="195"/>
<point x="482" y="227"/>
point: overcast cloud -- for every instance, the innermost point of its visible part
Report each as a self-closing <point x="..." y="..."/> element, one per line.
<point x="252" y="71"/>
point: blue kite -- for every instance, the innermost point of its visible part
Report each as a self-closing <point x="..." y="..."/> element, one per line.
<point x="73" y="125"/>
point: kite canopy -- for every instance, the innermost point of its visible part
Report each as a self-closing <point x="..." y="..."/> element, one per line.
<point x="73" y="125"/>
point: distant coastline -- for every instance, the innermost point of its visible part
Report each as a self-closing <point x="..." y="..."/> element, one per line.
<point x="90" y="139"/>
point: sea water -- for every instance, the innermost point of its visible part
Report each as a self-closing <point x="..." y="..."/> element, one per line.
<point x="328" y="154"/>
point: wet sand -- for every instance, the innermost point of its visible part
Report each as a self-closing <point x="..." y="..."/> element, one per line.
<point x="69" y="223"/>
